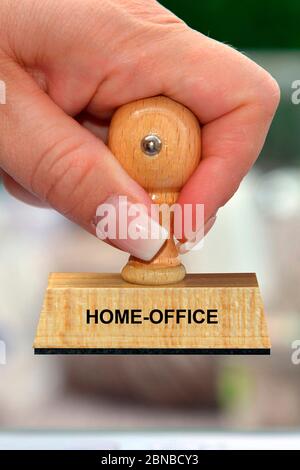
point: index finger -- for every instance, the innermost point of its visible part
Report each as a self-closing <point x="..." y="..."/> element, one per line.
<point x="235" y="101"/>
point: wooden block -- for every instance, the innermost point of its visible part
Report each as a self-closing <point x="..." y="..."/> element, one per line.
<point x="241" y="326"/>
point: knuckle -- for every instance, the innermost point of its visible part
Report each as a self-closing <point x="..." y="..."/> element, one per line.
<point x="268" y="94"/>
<point x="272" y="90"/>
<point x="60" y="172"/>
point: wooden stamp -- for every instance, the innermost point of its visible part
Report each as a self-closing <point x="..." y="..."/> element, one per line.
<point x="154" y="307"/>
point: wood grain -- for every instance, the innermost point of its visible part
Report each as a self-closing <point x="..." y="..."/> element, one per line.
<point x="163" y="175"/>
<point x="237" y="298"/>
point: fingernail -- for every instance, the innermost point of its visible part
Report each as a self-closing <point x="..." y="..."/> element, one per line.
<point x="128" y="226"/>
<point x="191" y="244"/>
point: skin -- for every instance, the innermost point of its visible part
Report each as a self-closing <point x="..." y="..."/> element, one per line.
<point x="68" y="64"/>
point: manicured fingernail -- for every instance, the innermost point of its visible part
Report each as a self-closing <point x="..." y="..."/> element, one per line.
<point x="191" y="244"/>
<point x="128" y="226"/>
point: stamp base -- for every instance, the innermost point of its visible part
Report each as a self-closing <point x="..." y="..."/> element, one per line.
<point x="241" y="327"/>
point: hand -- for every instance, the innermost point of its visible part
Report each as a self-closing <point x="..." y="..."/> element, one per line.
<point x="68" y="64"/>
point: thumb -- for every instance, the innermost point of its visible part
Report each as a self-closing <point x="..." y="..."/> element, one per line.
<point x="50" y="155"/>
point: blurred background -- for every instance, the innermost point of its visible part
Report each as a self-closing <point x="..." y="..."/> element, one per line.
<point x="259" y="231"/>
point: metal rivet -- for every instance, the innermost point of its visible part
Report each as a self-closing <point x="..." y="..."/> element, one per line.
<point x="151" y="145"/>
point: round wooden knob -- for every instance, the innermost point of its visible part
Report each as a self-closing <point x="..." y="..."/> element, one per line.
<point x="157" y="141"/>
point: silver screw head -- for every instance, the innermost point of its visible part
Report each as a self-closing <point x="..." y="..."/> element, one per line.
<point x="151" y="145"/>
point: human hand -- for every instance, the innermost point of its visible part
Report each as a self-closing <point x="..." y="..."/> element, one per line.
<point x="69" y="64"/>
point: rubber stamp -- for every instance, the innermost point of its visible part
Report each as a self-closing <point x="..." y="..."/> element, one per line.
<point x="154" y="307"/>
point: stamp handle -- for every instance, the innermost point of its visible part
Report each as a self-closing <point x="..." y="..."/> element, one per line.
<point x="158" y="142"/>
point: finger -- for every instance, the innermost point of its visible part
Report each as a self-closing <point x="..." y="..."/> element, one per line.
<point x="230" y="146"/>
<point x="235" y="101"/>
<point x="20" y="193"/>
<point x="63" y="164"/>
